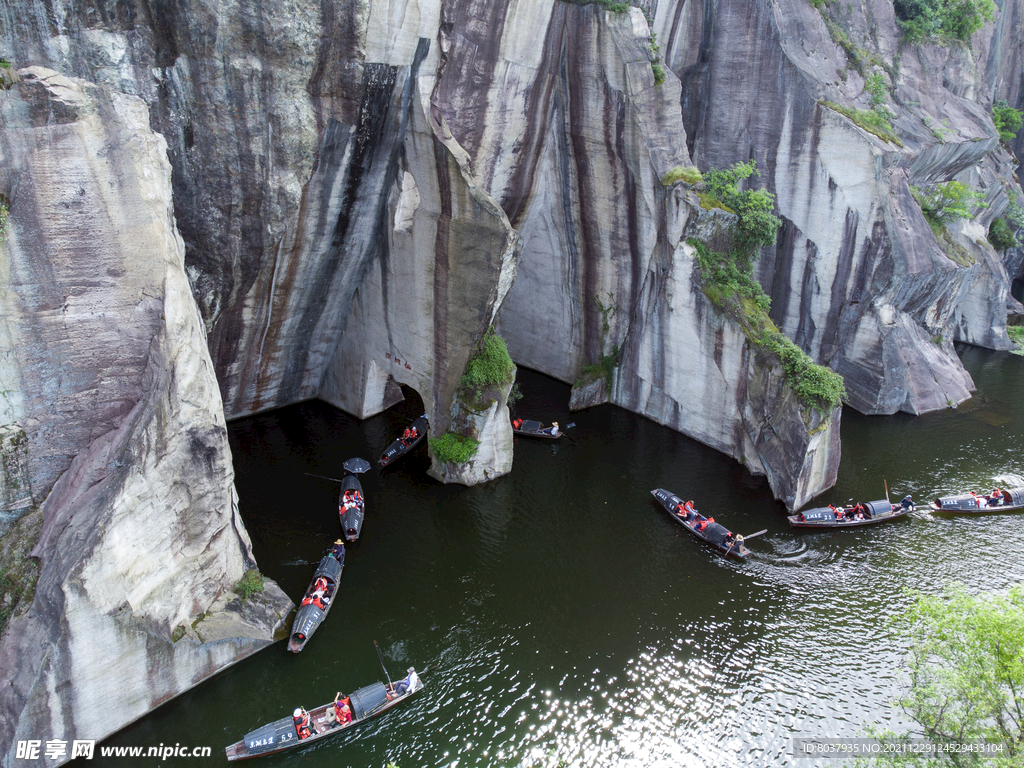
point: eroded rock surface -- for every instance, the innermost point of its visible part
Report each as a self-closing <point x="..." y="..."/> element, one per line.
<point x="111" y="381"/>
<point x="857" y="277"/>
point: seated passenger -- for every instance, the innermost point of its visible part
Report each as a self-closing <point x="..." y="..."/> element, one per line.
<point x="407" y="434"/>
<point x="517" y="424"/>
<point x="409" y="682"/>
<point x="303" y="726"/>
<point x="342" y="710"/>
<point x="995" y="498"/>
<point x="908" y="502"/>
<point x="981" y="501"/>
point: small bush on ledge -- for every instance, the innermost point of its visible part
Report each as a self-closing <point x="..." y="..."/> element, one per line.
<point x="871" y="120"/>
<point x="491" y="365"/>
<point x="453" y="448"/>
<point x="689" y="174"/>
<point x="1007" y="120"/>
<point x="1001" y="236"/>
<point x="729" y="286"/>
<point x="250" y="584"/>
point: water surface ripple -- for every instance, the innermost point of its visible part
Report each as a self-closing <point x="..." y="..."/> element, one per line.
<point x="565" y="617"/>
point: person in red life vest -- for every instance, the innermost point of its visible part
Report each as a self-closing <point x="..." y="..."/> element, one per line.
<point x="414" y="433"/>
<point x="703" y="523"/>
<point x="407" y="434"/>
<point x="517" y="424"/>
<point x="342" y="709"/>
<point x="303" y="725"/>
<point x="840" y="513"/>
<point x="981" y="500"/>
<point x="995" y="497"/>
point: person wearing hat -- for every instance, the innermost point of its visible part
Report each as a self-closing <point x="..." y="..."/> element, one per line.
<point x="338" y="550"/>
<point x="303" y="725"/>
<point x="553" y="429"/>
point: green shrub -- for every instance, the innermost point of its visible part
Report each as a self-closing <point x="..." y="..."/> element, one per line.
<point x="608" y="5"/>
<point x="945" y="203"/>
<point x="1001" y="236"/>
<point x="876" y="86"/>
<point x="1016" y="334"/>
<point x="687" y="173"/>
<point x="491" y="365"/>
<point x="942" y="20"/>
<point x="729" y="284"/>
<point x="602" y="369"/>
<point x="757" y="225"/>
<point x="1007" y="120"/>
<point x="659" y="73"/>
<point x="250" y="584"/>
<point x="872" y="121"/>
<point x="453" y="448"/>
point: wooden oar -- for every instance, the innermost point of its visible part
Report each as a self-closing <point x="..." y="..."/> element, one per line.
<point x="324" y="477"/>
<point x="752" y="535"/>
<point x="741" y="539"/>
<point x="381" y="657"/>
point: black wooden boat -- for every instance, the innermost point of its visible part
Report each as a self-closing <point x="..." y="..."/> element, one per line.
<point x="534" y="429"/>
<point x="319" y="597"/>
<point x="365" y="703"/>
<point x="351" y="503"/>
<point x="403" y="445"/>
<point x="705" y="529"/>
<point x="850" y="516"/>
<point x="980" y="503"/>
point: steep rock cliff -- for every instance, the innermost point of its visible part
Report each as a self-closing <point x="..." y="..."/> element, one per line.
<point x="857" y="277"/>
<point x="109" y="379"/>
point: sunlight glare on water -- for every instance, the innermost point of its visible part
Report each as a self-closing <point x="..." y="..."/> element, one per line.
<point x="564" y="619"/>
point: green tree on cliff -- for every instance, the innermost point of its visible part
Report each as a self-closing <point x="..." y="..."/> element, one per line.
<point x="923" y="20"/>
<point x="757" y="223"/>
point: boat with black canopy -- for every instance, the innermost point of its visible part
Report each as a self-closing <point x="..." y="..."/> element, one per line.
<point x="704" y="528"/>
<point x="326" y="720"/>
<point x="971" y="503"/>
<point x="319" y="597"/>
<point x="850" y="516"/>
<point x="351" y="502"/>
<point x="412" y="437"/>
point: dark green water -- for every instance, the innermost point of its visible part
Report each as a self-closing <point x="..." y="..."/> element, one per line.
<point x="564" y="616"/>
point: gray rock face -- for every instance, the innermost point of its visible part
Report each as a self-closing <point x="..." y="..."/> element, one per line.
<point x="857" y="277"/>
<point x="363" y="189"/>
<point x="113" y="399"/>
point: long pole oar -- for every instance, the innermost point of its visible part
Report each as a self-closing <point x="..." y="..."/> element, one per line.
<point x="381" y="657"/>
<point x="324" y="477"/>
<point x="740" y="539"/>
